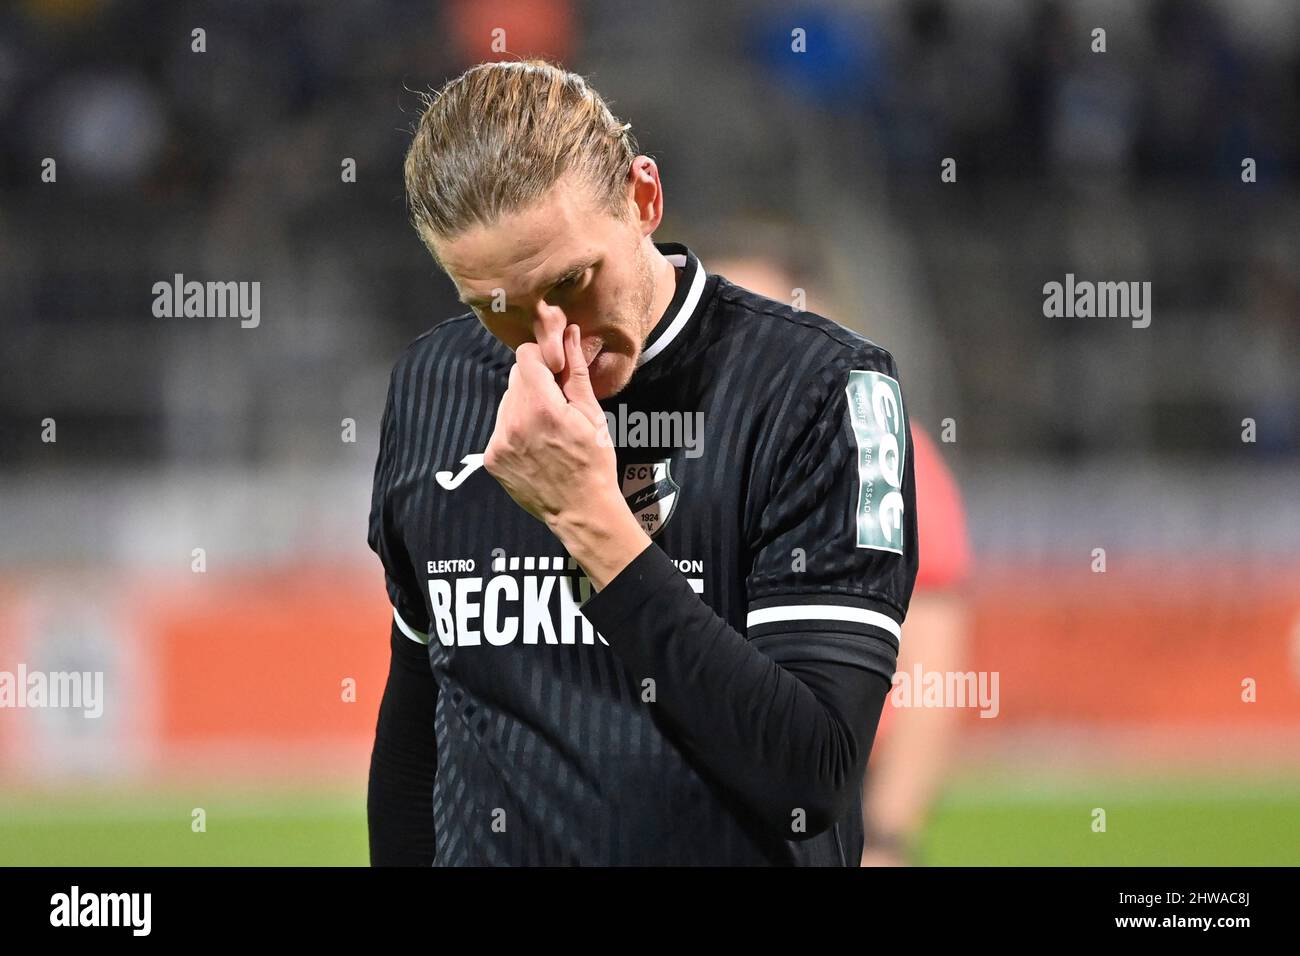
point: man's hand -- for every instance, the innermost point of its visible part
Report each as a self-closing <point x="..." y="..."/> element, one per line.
<point x="552" y="453"/>
<point x="546" y="449"/>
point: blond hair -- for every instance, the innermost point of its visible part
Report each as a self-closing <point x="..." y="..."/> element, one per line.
<point x="496" y="138"/>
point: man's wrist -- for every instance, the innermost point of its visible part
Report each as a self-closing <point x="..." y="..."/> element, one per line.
<point x="603" y="538"/>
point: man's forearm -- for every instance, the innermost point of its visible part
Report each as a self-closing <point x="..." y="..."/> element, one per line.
<point x="789" y="740"/>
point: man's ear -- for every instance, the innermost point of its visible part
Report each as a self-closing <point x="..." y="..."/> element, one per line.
<point x="646" y="194"/>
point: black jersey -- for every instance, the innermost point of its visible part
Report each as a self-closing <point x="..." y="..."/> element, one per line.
<point x="766" y="452"/>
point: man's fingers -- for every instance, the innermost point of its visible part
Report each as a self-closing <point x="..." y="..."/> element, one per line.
<point x="533" y="375"/>
<point x="575" y="380"/>
<point x="548" y="332"/>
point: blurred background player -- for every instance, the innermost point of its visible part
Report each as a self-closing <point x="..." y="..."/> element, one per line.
<point x="915" y="745"/>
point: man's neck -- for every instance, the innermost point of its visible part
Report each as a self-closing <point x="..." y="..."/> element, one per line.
<point x="666" y="276"/>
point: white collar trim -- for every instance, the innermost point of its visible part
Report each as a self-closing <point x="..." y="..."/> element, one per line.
<point x="683" y="314"/>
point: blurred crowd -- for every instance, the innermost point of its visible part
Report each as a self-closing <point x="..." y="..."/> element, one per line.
<point x="227" y="164"/>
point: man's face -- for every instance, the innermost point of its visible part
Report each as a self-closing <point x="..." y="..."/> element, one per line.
<point x="561" y="262"/>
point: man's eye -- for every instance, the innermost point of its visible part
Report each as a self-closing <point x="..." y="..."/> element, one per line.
<point x="566" y="285"/>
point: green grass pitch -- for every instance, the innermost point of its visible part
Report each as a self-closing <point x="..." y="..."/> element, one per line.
<point x="979" y="821"/>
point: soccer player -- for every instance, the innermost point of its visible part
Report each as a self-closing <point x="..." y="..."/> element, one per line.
<point x="649" y="537"/>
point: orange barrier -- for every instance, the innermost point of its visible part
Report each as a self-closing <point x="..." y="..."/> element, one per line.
<point x="1153" y="643"/>
<point x="286" y="667"/>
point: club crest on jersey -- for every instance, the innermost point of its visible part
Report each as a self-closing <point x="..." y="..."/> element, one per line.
<point x="650" y="493"/>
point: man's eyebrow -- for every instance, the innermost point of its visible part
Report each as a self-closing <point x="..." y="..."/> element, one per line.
<point x="570" y="273"/>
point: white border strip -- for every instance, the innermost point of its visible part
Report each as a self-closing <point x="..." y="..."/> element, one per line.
<point x="683" y="315"/>
<point x="418" y="636"/>
<point x="823" y="612"/>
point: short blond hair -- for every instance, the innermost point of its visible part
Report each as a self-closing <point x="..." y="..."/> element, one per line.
<point x="496" y="138"/>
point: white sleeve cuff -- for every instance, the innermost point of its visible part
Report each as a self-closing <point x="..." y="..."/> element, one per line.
<point x="418" y="636"/>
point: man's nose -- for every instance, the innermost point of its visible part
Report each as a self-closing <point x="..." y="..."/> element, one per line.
<point x="548" y="332"/>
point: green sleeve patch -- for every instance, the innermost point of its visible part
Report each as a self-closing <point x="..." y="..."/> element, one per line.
<point x="876" y="411"/>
